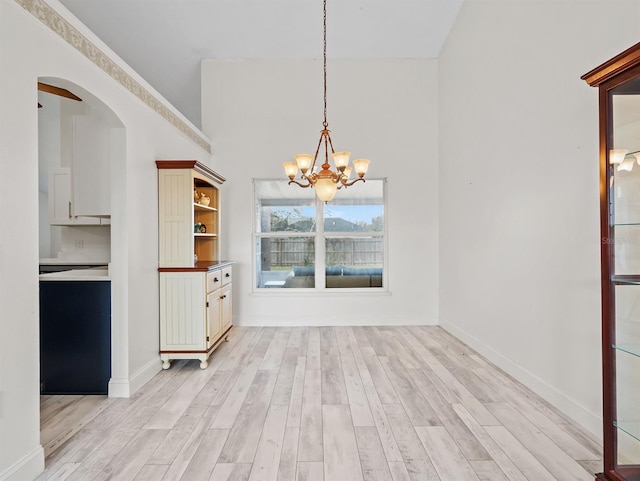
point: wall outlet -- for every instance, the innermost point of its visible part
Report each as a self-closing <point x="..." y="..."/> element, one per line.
<point x="78" y="244"/>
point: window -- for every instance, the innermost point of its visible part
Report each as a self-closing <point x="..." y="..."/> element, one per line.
<point x="301" y="242"/>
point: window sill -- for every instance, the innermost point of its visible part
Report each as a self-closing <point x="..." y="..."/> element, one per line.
<point x="312" y="292"/>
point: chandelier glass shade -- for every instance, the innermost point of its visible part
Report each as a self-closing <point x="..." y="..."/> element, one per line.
<point x="624" y="159"/>
<point x="326" y="181"/>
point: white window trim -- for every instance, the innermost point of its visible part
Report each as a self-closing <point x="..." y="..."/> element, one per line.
<point x="320" y="236"/>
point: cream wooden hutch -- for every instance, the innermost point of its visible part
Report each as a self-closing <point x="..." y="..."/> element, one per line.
<point x="195" y="286"/>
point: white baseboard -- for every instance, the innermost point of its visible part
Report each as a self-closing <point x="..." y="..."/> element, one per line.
<point x="144" y="375"/>
<point x="590" y="421"/>
<point x="119" y="387"/>
<point x="27" y="468"/>
<point x="125" y="388"/>
<point x="279" y="321"/>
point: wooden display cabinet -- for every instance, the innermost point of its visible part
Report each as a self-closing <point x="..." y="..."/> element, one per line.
<point x="618" y="83"/>
<point x="195" y="285"/>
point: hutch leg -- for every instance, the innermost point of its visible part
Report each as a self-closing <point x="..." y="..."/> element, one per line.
<point x="166" y="363"/>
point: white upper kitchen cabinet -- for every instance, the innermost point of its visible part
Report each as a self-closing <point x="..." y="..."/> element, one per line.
<point x="92" y="146"/>
<point x="61" y="203"/>
<point x="81" y="194"/>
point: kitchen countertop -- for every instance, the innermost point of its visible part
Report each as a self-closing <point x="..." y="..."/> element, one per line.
<point x="54" y="261"/>
<point x="93" y="274"/>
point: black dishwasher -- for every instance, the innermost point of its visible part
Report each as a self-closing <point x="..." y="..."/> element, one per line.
<point x="75" y="337"/>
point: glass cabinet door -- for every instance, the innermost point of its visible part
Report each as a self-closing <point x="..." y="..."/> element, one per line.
<point x="622" y="328"/>
<point x="626" y="355"/>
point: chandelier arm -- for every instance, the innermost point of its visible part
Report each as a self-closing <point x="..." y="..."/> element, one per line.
<point x="315" y="157"/>
<point x="304" y="186"/>
<point x="330" y="143"/>
<point x="326" y="152"/>
<point x="349" y="184"/>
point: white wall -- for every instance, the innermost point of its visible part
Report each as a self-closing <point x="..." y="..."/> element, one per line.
<point x="49" y="156"/>
<point x="29" y="49"/>
<point x="260" y="113"/>
<point x="519" y="212"/>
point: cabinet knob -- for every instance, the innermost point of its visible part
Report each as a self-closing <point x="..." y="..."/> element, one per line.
<point x="227" y="275"/>
<point x="215" y="279"/>
<point x="222" y="297"/>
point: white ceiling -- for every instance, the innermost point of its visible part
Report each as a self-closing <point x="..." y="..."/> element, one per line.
<point x="164" y="40"/>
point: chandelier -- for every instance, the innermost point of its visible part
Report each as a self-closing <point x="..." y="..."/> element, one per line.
<point x="326" y="181"/>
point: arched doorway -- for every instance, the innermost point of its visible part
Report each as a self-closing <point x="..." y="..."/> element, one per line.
<point x="81" y="143"/>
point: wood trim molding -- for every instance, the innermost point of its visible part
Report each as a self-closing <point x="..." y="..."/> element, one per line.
<point x="176" y="164"/>
<point x="190" y="164"/>
<point x="201" y="266"/>
<point x="59" y="25"/>
<point x="623" y="61"/>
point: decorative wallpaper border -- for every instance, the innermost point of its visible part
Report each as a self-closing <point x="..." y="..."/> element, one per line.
<point x="52" y="19"/>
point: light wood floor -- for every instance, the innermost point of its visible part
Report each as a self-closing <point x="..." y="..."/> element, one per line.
<point x="312" y="404"/>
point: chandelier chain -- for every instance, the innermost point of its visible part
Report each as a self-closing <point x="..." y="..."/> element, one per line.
<point x="324" y="58"/>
